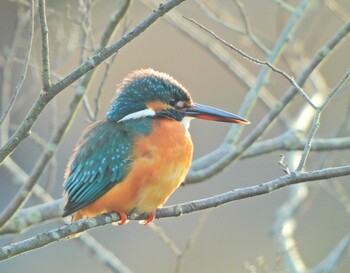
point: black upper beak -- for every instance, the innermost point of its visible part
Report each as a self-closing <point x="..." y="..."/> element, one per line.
<point x="210" y="113"/>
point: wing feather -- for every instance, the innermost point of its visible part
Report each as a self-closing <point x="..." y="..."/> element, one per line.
<point x="101" y="159"/>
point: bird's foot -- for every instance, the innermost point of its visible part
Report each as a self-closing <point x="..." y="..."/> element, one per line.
<point x="149" y="219"/>
<point x="123" y="218"/>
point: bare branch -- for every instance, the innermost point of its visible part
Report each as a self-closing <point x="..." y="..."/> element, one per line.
<point x="191" y="241"/>
<point x="32" y="216"/>
<point x="218" y="157"/>
<point x="105" y="256"/>
<point x="254" y="60"/>
<point x="284" y="166"/>
<point x="248" y="30"/>
<point x="25" y="67"/>
<point x="57" y="234"/>
<point x="26" y="189"/>
<point x="211" y="164"/>
<point x="113" y="21"/>
<point x="23" y="194"/>
<point x="90" y="64"/>
<point x="50" y="210"/>
<point x="160" y="232"/>
<point x="218" y="50"/>
<point x="220" y="20"/>
<point x="286" y="223"/>
<point x="285" y="226"/>
<point x="46" y="70"/>
<point x="317" y="118"/>
<point x="291" y="141"/>
<point x="285" y="5"/>
<point x="329" y="264"/>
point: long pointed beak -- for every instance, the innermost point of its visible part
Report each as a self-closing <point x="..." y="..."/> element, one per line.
<point x="210" y="113"/>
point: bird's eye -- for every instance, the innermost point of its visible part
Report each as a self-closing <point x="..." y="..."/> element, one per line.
<point x="172" y="102"/>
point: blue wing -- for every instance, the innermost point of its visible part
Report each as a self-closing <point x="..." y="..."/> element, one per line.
<point x="101" y="159"/>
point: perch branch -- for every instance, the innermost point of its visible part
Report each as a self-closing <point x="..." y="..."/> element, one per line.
<point x="46" y="238"/>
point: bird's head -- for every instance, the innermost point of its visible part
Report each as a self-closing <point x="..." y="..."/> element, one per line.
<point x="147" y="93"/>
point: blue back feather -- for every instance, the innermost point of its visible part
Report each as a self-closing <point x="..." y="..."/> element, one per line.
<point x="102" y="158"/>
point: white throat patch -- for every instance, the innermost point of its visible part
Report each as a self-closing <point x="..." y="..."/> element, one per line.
<point x="186" y="122"/>
<point x="139" y="114"/>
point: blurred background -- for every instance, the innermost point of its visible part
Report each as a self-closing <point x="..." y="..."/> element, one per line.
<point x="236" y="237"/>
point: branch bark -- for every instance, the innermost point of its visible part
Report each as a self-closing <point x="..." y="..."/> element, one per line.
<point x="44" y="98"/>
<point x="66" y="231"/>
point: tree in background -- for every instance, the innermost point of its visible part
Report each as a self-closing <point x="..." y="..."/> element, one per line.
<point x="284" y="65"/>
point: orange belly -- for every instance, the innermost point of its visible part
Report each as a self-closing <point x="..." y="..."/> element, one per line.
<point x="160" y="163"/>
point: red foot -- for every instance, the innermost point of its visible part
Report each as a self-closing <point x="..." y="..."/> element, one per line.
<point x="123" y="218"/>
<point x="150" y="218"/>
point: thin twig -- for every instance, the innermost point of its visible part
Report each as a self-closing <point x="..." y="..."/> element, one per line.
<point x="285" y="5"/>
<point x="291" y="141"/>
<point x="191" y="241"/>
<point x="24" y="193"/>
<point x="7" y="69"/>
<point x="329" y="264"/>
<point x="248" y="31"/>
<point x="338" y="10"/>
<point x="211" y="164"/>
<point x="85" y="8"/>
<point x="217" y="50"/>
<point x="254" y="60"/>
<point x="99" y="90"/>
<point x="214" y="14"/>
<point x="105" y="256"/>
<point x="90" y="64"/>
<point x="250" y="100"/>
<point x="165" y="238"/>
<point x="46" y="78"/>
<point x="25" y="67"/>
<point x="284" y="229"/>
<point x="285" y="167"/>
<point x="286" y="223"/>
<point x="264" y="74"/>
<point x="316" y="122"/>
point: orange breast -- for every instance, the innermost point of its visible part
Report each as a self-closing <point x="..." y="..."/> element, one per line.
<point x="160" y="163"/>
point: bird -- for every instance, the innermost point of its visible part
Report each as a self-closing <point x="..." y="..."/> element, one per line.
<point x="140" y="153"/>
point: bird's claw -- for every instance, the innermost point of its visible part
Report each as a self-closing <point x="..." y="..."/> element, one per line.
<point x="149" y="219"/>
<point x="123" y="218"/>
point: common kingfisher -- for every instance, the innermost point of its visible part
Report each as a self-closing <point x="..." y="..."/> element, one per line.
<point x="135" y="158"/>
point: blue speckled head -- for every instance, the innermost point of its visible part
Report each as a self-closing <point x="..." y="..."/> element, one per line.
<point x="144" y="86"/>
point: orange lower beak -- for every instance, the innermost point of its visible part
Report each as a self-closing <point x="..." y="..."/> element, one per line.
<point x="210" y="113"/>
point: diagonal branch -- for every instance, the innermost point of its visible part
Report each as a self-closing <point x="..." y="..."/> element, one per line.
<point x="25" y="191"/>
<point x="28" y="122"/>
<point x="211" y="164"/>
<point x="45" y="212"/>
<point x="65" y="231"/>
<point x="257" y="61"/>
<point x="317" y="118"/>
<point x="219" y="51"/>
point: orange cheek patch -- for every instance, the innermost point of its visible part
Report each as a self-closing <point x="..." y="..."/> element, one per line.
<point x="157" y="106"/>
